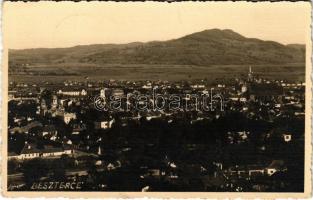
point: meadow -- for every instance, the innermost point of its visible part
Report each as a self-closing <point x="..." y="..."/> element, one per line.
<point x="79" y="72"/>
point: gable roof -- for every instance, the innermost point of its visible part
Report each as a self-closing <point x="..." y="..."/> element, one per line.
<point x="31" y="148"/>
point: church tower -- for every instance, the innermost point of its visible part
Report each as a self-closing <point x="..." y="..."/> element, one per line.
<point x="54" y="101"/>
<point x="102" y="93"/>
<point x="250" y="74"/>
<point x="99" y="151"/>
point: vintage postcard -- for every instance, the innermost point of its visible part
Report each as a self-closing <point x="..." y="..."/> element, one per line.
<point x="151" y="99"/>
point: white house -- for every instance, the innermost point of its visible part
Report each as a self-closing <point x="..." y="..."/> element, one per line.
<point x="72" y="92"/>
<point x="104" y="124"/>
<point x="68" y="117"/>
<point x="287" y="137"/>
<point x="244" y="89"/>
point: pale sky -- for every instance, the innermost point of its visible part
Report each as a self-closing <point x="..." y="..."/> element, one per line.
<point x="65" y="24"/>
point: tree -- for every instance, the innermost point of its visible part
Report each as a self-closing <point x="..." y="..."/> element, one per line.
<point x="58" y="169"/>
<point x="33" y="170"/>
<point x="47" y="96"/>
<point x="12" y="166"/>
<point x="17" y="144"/>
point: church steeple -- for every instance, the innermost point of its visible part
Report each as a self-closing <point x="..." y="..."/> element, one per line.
<point x="99" y="150"/>
<point x="250" y="74"/>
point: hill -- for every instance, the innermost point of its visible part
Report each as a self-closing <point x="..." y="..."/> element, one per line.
<point x="208" y="47"/>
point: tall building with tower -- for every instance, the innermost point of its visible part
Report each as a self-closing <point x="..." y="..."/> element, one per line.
<point x="250" y="74"/>
<point x="102" y="93"/>
<point x="54" y="102"/>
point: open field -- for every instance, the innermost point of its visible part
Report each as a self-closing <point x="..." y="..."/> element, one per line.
<point x="62" y="72"/>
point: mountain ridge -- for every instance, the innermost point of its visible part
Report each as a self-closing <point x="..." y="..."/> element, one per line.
<point x="207" y="47"/>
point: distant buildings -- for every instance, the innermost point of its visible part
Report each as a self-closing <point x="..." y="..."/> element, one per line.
<point x="265" y="92"/>
<point x="87" y="129"/>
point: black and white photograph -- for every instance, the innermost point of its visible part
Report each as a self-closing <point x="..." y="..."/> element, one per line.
<point x="157" y="98"/>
